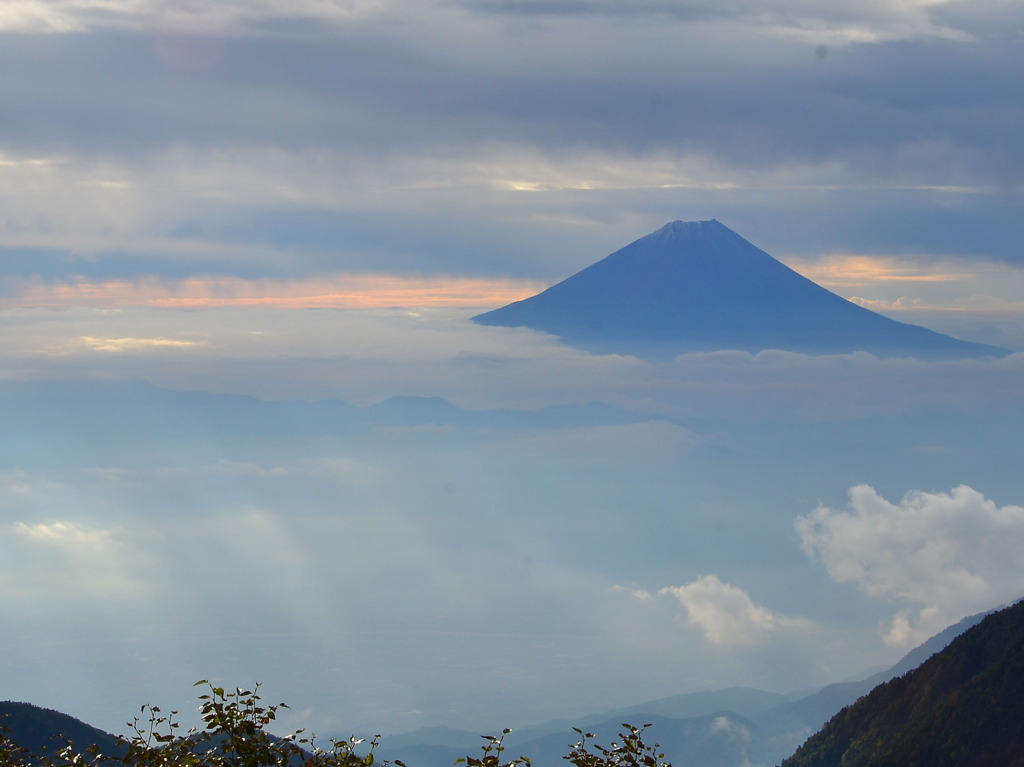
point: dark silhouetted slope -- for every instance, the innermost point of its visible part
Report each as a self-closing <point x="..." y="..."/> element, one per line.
<point x="699" y="286"/>
<point x="814" y="710"/>
<point x="963" y="707"/>
<point x="41" y="730"/>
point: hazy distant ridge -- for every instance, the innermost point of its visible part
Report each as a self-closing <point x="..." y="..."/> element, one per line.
<point x="734" y="727"/>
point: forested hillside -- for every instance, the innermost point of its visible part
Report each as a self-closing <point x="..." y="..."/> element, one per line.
<point x="41" y="730"/>
<point x="964" y="707"/>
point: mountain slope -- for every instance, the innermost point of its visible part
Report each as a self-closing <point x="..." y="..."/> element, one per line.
<point x="963" y="707"/>
<point x="699" y="286"/>
<point x="817" y="708"/>
<point x="41" y="730"/>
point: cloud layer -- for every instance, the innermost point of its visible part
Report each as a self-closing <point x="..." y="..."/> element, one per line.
<point x="426" y="555"/>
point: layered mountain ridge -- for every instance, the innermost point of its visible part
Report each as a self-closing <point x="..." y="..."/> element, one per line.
<point x="734" y="727"/>
<point x="699" y="286"/>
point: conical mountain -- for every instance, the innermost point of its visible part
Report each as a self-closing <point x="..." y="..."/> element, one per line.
<point x="699" y="286"/>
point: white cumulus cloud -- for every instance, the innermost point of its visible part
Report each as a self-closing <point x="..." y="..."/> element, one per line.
<point x="946" y="554"/>
<point x="727" y="615"/>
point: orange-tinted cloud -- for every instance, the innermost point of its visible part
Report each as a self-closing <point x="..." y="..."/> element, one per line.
<point x="858" y="271"/>
<point x="343" y="291"/>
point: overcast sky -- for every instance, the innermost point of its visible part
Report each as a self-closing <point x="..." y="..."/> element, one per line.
<point x="499" y="139"/>
<point x="307" y="200"/>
